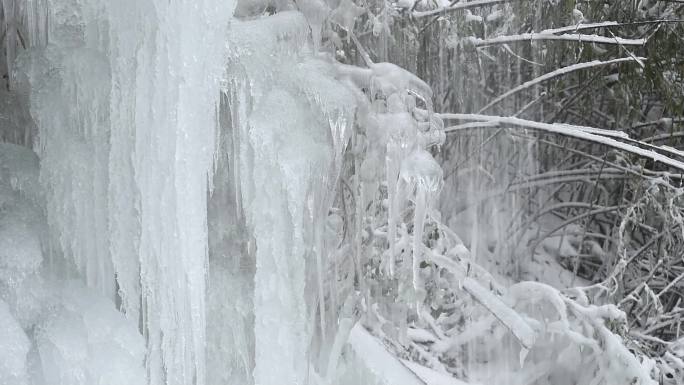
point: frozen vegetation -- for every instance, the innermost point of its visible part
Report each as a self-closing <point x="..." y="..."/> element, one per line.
<point x="340" y="192"/>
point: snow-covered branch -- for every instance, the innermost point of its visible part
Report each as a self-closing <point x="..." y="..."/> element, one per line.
<point x="554" y="74"/>
<point x="457" y="7"/>
<point x="539" y="36"/>
<point x="599" y="136"/>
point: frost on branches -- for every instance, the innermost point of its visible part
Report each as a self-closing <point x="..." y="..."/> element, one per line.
<point x="340" y="192"/>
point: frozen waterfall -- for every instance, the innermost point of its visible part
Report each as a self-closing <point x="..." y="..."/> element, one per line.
<point x="248" y="192"/>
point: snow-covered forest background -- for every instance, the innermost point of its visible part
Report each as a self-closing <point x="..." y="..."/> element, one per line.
<point x="341" y="192"/>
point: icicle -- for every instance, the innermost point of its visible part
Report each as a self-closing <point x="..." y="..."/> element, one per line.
<point x="392" y="166"/>
<point x="10" y="28"/>
<point x="418" y="223"/>
<point x="400" y="142"/>
<point x="420" y="174"/>
<point x="523" y="355"/>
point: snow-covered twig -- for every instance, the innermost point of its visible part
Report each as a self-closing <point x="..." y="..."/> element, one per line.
<point x="457" y="7"/>
<point x="599" y="136"/>
<point x="556" y="73"/>
<point x="580" y="27"/>
<point x="605" y="24"/>
<point x="577" y="37"/>
<point x="507" y="316"/>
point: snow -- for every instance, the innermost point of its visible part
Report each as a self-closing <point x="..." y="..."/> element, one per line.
<point x="507" y="316"/>
<point x="431" y="377"/>
<point x="376" y="365"/>
<point x="385" y="368"/>
<point x="577" y="37"/>
<point x="346" y="14"/>
<point x="454" y="6"/>
<point x="473" y="18"/>
<point x="581" y="26"/>
<point x="420" y="335"/>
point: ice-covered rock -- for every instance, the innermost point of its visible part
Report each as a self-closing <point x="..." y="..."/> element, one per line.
<point x="20" y="260"/>
<point x="19" y="171"/>
<point x="16" y="125"/>
<point x="22" y="230"/>
<point x="85" y="340"/>
<point x="14" y="347"/>
<point x="369" y="362"/>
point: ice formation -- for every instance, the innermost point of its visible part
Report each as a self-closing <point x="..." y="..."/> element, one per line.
<point x="285" y="103"/>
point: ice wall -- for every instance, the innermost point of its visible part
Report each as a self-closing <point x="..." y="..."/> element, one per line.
<point x="125" y="96"/>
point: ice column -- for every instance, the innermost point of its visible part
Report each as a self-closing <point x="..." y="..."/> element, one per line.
<point x="166" y="92"/>
<point x="290" y="120"/>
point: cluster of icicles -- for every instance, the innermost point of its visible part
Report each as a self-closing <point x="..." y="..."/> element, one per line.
<point x="397" y="136"/>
